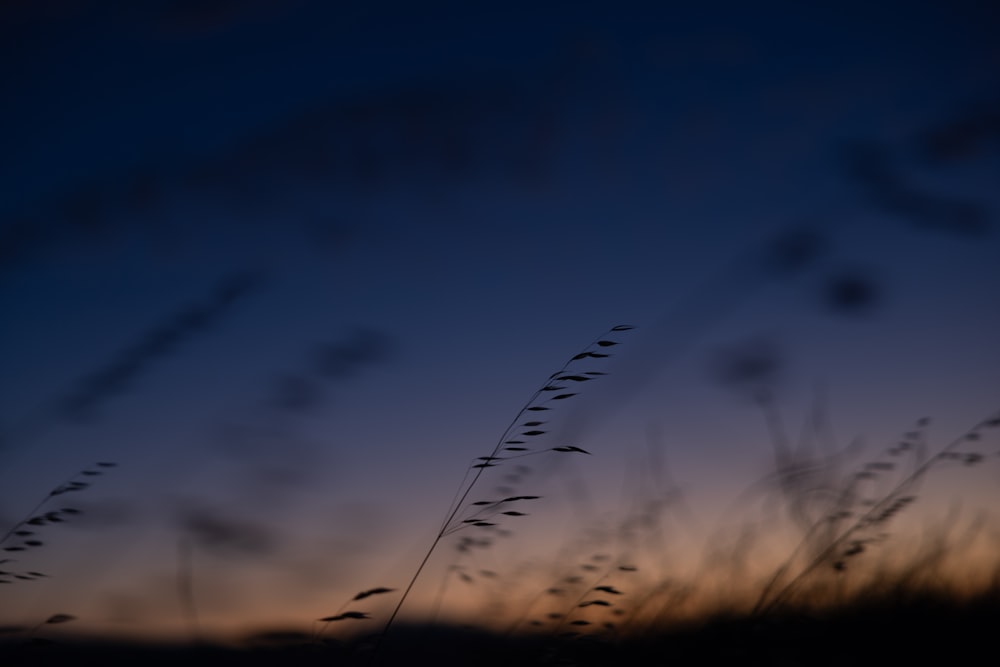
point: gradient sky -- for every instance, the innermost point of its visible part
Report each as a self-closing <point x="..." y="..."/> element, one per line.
<point x="294" y="266"/>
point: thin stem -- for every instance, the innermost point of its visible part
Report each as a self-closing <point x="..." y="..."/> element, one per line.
<point x="185" y="584"/>
<point x="449" y="526"/>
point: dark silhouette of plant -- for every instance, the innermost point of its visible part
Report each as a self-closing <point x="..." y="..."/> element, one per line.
<point x="25" y="535"/>
<point x="852" y="521"/>
<point x="516" y="442"/>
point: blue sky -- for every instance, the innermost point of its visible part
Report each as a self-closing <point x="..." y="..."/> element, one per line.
<point x="394" y="224"/>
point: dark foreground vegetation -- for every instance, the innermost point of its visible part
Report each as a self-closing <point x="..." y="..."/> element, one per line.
<point x="920" y="629"/>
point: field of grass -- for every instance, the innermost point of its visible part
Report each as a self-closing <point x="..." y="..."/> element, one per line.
<point x="915" y="629"/>
<point x="459" y="216"/>
<point x="851" y="586"/>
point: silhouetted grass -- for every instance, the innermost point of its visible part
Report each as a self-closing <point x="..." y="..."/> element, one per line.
<point x="877" y="630"/>
<point x="518" y="441"/>
<point x="26" y="535"/>
<point x="602" y="607"/>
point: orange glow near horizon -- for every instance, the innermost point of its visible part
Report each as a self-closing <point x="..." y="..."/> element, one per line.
<point x="583" y="582"/>
<point x="687" y="311"/>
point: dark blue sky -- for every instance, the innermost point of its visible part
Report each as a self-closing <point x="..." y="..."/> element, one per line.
<point x="295" y="266"/>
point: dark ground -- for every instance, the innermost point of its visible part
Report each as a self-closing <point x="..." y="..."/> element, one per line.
<point x="927" y="631"/>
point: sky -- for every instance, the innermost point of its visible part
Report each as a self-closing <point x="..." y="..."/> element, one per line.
<point x="294" y="266"/>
